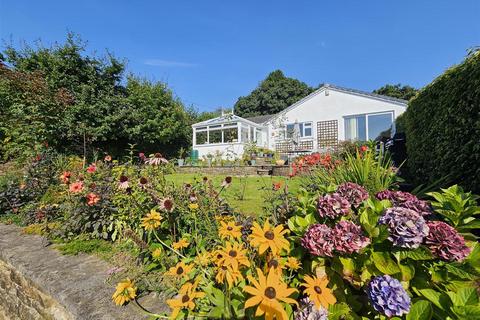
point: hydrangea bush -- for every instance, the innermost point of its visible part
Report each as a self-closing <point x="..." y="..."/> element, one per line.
<point x="342" y="255"/>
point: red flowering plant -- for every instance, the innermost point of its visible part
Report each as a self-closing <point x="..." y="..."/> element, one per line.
<point x="305" y="164"/>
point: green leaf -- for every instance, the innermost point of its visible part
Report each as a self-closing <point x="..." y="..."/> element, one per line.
<point x="463" y="271"/>
<point x="421" y="253"/>
<point x="338" y="311"/>
<point x="420" y="310"/>
<point x="468" y="312"/>
<point x="384" y="263"/>
<point x="408" y="272"/>
<point x="439" y="299"/>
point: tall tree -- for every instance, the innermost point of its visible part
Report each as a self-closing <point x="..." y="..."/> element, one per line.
<point x="399" y="91"/>
<point x="81" y="102"/>
<point x="275" y="93"/>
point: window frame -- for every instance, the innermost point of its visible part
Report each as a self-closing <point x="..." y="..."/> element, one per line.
<point x="367" y="115"/>
<point x="302" y="130"/>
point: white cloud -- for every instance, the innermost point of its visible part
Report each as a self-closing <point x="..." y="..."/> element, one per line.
<point x="168" y="63"/>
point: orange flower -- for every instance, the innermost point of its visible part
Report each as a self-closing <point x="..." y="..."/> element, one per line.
<point x="76" y="187"/>
<point x="92" y="199"/>
<point x="65" y="177"/>
<point x="277" y="186"/>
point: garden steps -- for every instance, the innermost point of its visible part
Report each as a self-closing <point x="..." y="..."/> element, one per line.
<point x="38" y="282"/>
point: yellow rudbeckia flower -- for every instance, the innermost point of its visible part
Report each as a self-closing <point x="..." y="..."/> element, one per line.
<point x="267" y="293"/>
<point x="180" y="270"/>
<point x="180" y="244"/>
<point x="229" y="230"/>
<point x="124" y="292"/>
<point x="185" y="299"/>
<point x="269" y="237"/>
<point x="151" y="221"/>
<point x="317" y="291"/>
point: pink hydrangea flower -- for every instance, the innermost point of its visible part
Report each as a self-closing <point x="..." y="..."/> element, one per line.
<point x="445" y="242"/>
<point x="318" y="240"/>
<point x="348" y="237"/>
<point x="333" y="206"/>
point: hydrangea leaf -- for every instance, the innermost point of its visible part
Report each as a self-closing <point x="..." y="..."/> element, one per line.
<point x="420" y="310"/>
<point x="385" y="263"/>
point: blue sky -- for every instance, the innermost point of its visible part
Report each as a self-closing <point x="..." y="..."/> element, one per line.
<point x="212" y="52"/>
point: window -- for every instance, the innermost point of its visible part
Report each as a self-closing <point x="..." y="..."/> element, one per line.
<point x="230" y="135"/>
<point x="244" y="133"/>
<point x="304" y="127"/>
<point x="368" y="126"/>
<point x="201" y="137"/>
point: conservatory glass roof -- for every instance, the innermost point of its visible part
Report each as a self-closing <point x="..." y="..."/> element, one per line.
<point x="226" y="118"/>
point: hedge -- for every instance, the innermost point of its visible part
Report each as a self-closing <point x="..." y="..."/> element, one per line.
<point x="442" y="124"/>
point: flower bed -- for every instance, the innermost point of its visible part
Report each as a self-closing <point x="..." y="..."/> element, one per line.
<point x="342" y="249"/>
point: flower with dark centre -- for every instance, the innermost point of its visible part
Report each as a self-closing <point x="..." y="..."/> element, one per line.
<point x="185" y="298"/>
<point x="158" y="155"/>
<point x="179" y="270"/>
<point x="232" y="253"/>
<point x="270" y="293"/>
<point x="123" y="179"/>
<point x="228" y="180"/>
<point x="273" y="263"/>
<point x="269" y="235"/>
<point x="229" y="228"/>
<point x="143" y="180"/>
<point x="317" y="289"/>
<point x="205" y="179"/>
<point x="219" y="256"/>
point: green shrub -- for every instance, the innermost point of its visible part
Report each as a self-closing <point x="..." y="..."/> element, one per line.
<point x="443" y="127"/>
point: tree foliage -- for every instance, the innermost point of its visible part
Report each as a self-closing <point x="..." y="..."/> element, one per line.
<point x="398" y="91"/>
<point x="275" y="93"/>
<point x="443" y="127"/>
<point x="61" y="96"/>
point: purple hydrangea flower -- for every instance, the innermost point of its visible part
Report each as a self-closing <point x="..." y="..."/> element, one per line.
<point x="388" y="297"/>
<point x="405" y="200"/>
<point x="406" y="227"/>
<point x="445" y="242"/>
<point x="348" y="237"/>
<point x="308" y="311"/>
<point x="353" y="192"/>
<point x="318" y="240"/>
<point x="333" y="206"/>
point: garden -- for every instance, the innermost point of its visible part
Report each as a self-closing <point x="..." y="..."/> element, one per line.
<point x="347" y="235"/>
<point x="338" y="240"/>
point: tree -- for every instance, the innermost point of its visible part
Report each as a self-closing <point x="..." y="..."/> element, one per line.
<point x="82" y="103"/>
<point x="398" y="91"/>
<point x="272" y="95"/>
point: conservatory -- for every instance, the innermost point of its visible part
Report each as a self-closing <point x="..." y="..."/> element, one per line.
<point x="226" y="136"/>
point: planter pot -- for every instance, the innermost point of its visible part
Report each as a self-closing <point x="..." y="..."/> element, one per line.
<point x="280" y="162"/>
<point x="181" y="162"/>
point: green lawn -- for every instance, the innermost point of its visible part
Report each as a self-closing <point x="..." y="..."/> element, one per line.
<point x="245" y="193"/>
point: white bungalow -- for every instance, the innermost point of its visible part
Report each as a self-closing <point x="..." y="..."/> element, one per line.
<point x="315" y="123"/>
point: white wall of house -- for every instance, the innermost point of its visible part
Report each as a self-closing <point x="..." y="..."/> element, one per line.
<point x="330" y="104"/>
<point x="227" y="150"/>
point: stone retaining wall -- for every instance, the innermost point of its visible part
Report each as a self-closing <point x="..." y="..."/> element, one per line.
<point x="37" y="282"/>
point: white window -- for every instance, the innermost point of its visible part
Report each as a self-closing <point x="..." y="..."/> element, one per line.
<point x="305" y="129"/>
<point x="365" y="127"/>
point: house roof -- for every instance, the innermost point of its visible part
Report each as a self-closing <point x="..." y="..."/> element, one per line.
<point x="326" y="86"/>
<point x="261" y="119"/>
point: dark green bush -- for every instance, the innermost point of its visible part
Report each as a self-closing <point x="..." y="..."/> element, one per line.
<point x="442" y="124"/>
